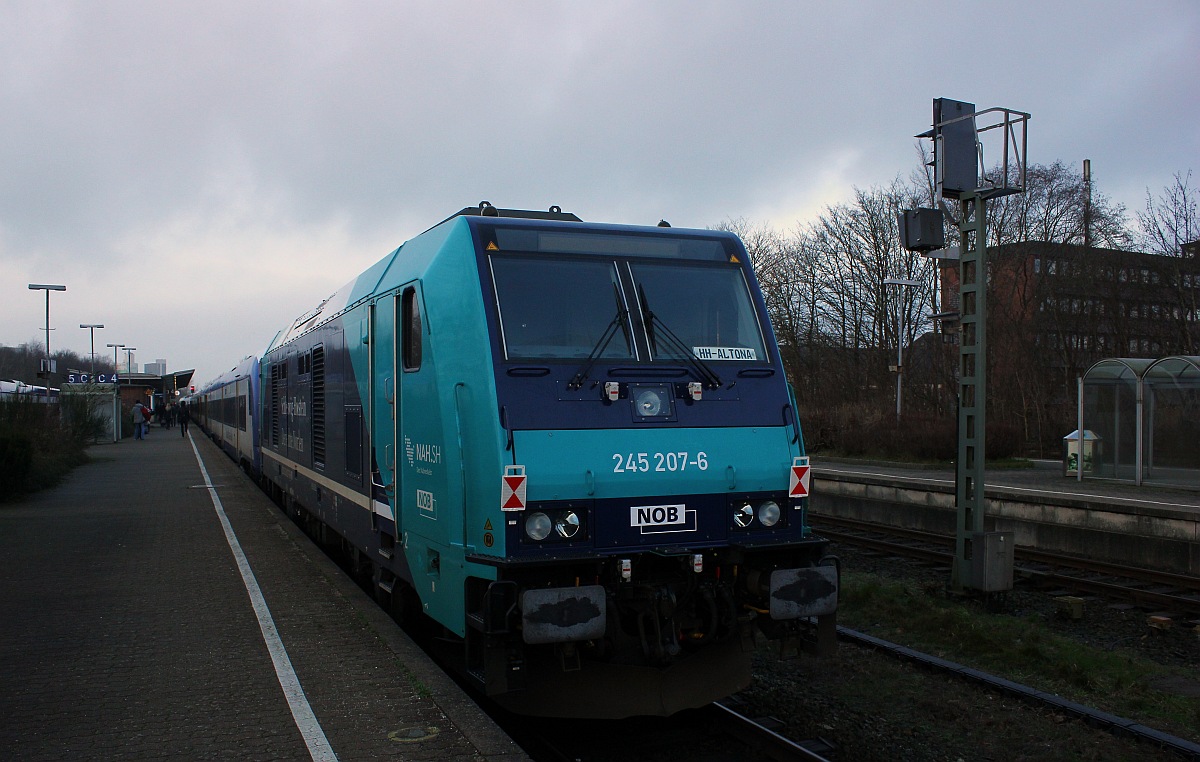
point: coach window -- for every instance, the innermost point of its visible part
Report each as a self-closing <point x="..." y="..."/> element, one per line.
<point x="410" y="335"/>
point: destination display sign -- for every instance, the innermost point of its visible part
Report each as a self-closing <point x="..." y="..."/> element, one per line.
<point x="724" y="353"/>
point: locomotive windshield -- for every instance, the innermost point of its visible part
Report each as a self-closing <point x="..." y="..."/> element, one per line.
<point x="707" y="307"/>
<point x="559" y="308"/>
<point x="566" y="295"/>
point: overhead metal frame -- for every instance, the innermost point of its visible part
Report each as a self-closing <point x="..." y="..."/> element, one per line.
<point x="1013" y="156"/>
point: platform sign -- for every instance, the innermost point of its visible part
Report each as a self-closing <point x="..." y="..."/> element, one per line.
<point x="512" y="489"/>
<point x="801" y="473"/>
<point x="87" y="378"/>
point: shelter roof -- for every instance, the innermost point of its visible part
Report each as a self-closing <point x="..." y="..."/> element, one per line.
<point x="1118" y="369"/>
<point x="1176" y="369"/>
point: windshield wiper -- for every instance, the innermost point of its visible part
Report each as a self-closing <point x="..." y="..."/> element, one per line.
<point x="619" y="321"/>
<point x="674" y="343"/>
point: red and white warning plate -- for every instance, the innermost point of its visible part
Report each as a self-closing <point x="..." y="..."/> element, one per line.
<point x="512" y="489"/>
<point x="799" y="478"/>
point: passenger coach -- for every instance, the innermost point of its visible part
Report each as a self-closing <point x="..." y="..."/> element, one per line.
<point x="227" y="408"/>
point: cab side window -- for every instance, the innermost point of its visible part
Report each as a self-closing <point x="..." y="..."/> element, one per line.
<point x="410" y="334"/>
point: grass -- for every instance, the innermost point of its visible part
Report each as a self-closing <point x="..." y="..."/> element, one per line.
<point x="1018" y="648"/>
<point x="415" y="682"/>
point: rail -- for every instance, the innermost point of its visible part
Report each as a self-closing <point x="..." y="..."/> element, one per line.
<point x="1145" y="587"/>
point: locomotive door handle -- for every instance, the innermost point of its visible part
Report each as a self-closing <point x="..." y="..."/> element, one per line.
<point x="389" y="457"/>
<point x="389" y="392"/>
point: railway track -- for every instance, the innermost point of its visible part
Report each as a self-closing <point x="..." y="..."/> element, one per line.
<point x="715" y="733"/>
<point x="760" y="734"/>
<point x="1175" y="594"/>
<point x="1094" y="717"/>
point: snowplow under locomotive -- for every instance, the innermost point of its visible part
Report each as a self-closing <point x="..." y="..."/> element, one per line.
<point x="571" y="445"/>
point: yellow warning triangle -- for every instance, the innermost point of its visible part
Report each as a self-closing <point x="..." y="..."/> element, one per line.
<point x="734" y="259"/>
<point x="492" y="246"/>
<point x="487" y="525"/>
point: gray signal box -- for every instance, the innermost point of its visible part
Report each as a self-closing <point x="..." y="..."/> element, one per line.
<point x="921" y="229"/>
<point x="992" y="561"/>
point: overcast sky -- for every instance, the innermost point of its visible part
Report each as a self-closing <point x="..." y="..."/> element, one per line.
<point x="198" y="174"/>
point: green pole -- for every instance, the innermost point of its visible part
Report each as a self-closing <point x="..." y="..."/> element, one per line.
<point x="972" y="389"/>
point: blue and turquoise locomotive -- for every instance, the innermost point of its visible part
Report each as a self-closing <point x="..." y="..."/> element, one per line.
<point x="570" y="445"/>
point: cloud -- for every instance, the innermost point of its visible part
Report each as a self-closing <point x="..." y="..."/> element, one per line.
<point x="295" y="143"/>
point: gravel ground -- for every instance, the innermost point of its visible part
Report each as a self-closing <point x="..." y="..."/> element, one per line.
<point x="875" y="708"/>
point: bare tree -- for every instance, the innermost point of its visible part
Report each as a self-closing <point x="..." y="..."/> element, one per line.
<point x="1058" y="206"/>
<point x="789" y="285"/>
<point x="1170" y="221"/>
<point x="21" y="363"/>
<point x="839" y="323"/>
<point x="1170" y="227"/>
<point x="855" y="248"/>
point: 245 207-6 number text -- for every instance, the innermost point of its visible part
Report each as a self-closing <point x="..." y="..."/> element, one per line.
<point x="643" y="462"/>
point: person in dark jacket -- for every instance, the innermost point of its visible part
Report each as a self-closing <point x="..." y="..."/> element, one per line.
<point x="184" y="416"/>
<point x="139" y="420"/>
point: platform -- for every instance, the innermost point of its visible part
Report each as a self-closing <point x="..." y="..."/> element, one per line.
<point x="1152" y="525"/>
<point x="130" y="628"/>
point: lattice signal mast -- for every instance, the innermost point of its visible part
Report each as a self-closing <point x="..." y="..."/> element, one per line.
<point x="961" y="174"/>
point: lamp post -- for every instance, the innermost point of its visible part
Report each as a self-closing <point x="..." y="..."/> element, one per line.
<point x="900" y="336"/>
<point x="47" y="288"/>
<point x="92" y="330"/>
<point x="116" y="394"/>
<point x="115" y="349"/>
<point x="129" y="359"/>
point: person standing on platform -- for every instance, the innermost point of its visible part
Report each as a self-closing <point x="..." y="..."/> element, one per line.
<point x="139" y="420"/>
<point x="184" y="417"/>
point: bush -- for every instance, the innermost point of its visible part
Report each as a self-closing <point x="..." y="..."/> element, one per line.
<point x="856" y="433"/>
<point x="16" y="460"/>
<point x="38" y="447"/>
<point x="1003" y="441"/>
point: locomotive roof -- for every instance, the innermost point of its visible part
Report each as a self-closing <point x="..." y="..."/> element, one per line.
<point x="345" y="298"/>
<point x="485" y="209"/>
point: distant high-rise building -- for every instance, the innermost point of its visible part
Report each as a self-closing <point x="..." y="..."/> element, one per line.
<point x="156" y="368"/>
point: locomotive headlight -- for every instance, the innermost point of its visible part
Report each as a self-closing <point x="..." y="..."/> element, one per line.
<point x="537" y="526"/>
<point x="567" y="525"/>
<point x="743" y="515"/>
<point x="649" y="402"/>
<point x="768" y="513"/>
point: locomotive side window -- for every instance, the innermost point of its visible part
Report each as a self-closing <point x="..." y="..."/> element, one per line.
<point x="410" y="334"/>
<point x="560" y="308"/>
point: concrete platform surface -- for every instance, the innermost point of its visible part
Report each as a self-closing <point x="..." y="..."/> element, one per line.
<point x="1149" y="525"/>
<point x="1044" y="484"/>
<point x="131" y="629"/>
